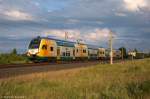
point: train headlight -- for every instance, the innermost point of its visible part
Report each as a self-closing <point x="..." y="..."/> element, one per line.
<point x="33" y="51"/>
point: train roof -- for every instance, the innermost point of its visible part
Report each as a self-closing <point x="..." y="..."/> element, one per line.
<point x="65" y="43"/>
<point x="61" y="42"/>
<point x="93" y="46"/>
<point x="69" y="43"/>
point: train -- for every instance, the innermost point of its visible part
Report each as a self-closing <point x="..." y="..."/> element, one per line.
<point x="51" y="49"/>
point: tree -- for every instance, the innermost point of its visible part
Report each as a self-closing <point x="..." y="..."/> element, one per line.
<point x="135" y="50"/>
<point x="14" y="51"/>
<point x="123" y="52"/>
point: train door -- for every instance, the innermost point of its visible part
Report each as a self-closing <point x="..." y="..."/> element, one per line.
<point x="73" y="53"/>
<point x="52" y="47"/>
<point x="43" y="48"/>
<point x="58" y="53"/>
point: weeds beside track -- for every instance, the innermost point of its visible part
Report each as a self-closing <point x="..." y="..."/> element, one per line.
<point x="129" y="80"/>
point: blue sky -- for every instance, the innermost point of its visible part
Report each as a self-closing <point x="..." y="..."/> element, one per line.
<point x="90" y="20"/>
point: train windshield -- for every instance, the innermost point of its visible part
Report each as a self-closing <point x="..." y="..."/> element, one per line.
<point x="34" y="43"/>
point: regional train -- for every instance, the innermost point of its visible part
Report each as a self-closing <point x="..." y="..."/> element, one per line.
<point x="51" y="49"/>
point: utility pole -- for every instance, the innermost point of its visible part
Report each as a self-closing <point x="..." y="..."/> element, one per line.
<point x="122" y="53"/>
<point x="66" y="36"/>
<point x="66" y="49"/>
<point x="111" y="47"/>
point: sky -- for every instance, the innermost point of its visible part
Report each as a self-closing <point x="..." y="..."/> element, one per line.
<point x="89" y="20"/>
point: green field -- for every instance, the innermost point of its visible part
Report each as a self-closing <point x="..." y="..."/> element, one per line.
<point x="13" y="59"/>
<point x="130" y="80"/>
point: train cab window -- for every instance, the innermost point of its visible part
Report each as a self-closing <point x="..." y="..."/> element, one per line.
<point x="35" y="43"/>
<point x="51" y="48"/>
<point x="44" y="47"/>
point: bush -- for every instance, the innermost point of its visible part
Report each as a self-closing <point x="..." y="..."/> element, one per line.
<point x="14" y="51"/>
<point x="138" y="90"/>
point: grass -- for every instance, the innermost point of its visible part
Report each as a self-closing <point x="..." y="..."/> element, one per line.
<point x="12" y="59"/>
<point x="130" y="80"/>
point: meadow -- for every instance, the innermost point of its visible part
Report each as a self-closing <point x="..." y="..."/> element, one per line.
<point x="10" y="58"/>
<point x="129" y="80"/>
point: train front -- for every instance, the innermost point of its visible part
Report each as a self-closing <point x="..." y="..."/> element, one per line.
<point x="33" y="48"/>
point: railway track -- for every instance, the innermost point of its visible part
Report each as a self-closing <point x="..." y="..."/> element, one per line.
<point x="16" y="70"/>
<point x="3" y="66"/>
<point x="13" y="70"/>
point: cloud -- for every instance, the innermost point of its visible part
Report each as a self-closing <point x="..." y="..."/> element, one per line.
<point x="97" y="35"/>
<point x="135" y="5"/>
<point x="72" y="21"/>
<point x="55" y="33"/>
<point x="17" y="15"/>
<point x="37" y="3"/>
<point x="91" y="36"/>
<point x="120" y="14"/>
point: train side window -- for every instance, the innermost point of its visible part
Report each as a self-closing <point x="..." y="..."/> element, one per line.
<point x="63" y="53"/>
<point x="44" y="47"/>
<point x="84" y="51"/>
<point x="77" y="50"/>
<point x="51" y="48"/>
<point x="67" y="54"/>
<point x="73" y="52"/>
